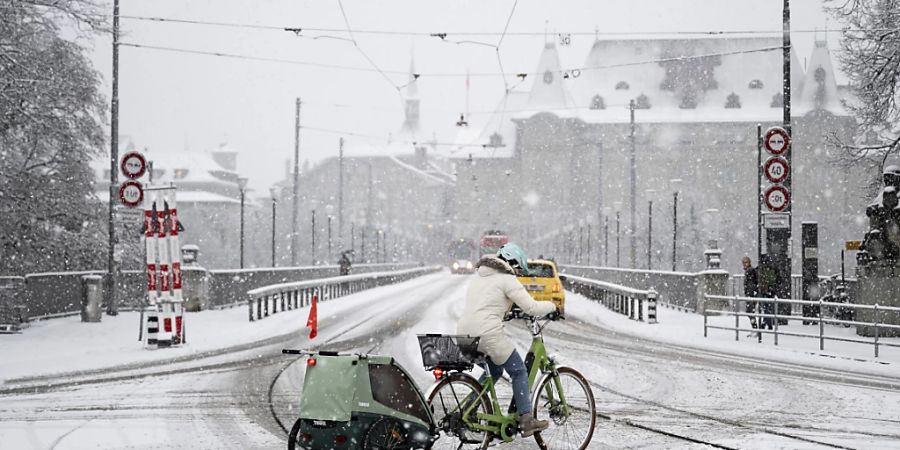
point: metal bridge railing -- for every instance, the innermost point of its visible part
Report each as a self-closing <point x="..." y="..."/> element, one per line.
<point x="269" y="300"/>
<point x="738" y="312"/>
<point x="637" y="304"/>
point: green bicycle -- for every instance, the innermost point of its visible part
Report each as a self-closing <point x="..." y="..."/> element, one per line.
<point x="468" y="414"/>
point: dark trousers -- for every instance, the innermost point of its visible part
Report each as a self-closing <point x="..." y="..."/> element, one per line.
<point x="751" y="308"/>
<point x="767" y="308"/>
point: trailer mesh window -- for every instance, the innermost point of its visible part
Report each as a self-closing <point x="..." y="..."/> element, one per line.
<point x="392" y="388"/>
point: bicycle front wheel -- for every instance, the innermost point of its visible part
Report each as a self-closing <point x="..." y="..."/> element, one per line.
<point x="448" y="400"/>
<point x="571" y="422"/>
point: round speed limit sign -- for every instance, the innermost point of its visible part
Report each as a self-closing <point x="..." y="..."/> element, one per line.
<point x="131" y="193"/>
<point x="776" y="169"/>
<point x="777" y="198"/>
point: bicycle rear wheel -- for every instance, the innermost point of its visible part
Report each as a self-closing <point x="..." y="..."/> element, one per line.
<point x="448" y="400"/>
<point x="572" y="430"/>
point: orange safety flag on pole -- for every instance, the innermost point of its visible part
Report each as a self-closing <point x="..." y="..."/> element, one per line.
<point x="311" y="321"/>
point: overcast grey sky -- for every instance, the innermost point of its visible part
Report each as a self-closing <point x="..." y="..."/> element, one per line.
<point x="171" y="101"/>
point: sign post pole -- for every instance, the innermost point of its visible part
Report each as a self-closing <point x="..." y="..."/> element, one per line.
<point x="777" y="221"/>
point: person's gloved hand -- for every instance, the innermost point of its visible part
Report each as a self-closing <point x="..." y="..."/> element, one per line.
<point x="556" y="315"/>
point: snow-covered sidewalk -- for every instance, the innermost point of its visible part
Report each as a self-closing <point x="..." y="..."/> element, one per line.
<point x="686" y="330"/>
<point x="66" y="345"/>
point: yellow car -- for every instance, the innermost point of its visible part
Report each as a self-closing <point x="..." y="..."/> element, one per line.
<point x="544" y="283"/>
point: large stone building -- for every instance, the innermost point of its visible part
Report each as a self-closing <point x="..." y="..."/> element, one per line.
<point x="552" y="165"/>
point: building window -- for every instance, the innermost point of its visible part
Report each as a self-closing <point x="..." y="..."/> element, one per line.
<point x="819" y="74"/>
<point x="548" y="77"/>
<point x="597" y="102"/>
<point x="733" y="101"/>
<point x="688" y="100"/>
<point x="777" y="100"/>
<point x="642" y="102"/>
<point x="496" y="140"/>
<point x="622" y="86"/>
<point x="756" y="84"/>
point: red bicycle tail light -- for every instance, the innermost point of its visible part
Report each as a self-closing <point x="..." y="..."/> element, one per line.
<point x="310" y="361"/>
<point x="438" y="373"/>
<point x="340" y="439"/>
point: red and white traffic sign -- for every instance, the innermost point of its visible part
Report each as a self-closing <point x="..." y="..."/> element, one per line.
<point x="777" y="198"/>
<point x="776" y="140"/>
<point x="131" y="193"/>
<point x="133" y="165"/>
<point x="776" y="169"/>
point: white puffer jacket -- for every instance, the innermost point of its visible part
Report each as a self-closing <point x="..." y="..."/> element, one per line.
<point x="490" y="295"/>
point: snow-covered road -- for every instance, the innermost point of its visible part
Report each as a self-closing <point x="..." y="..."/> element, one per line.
<point x="651" y="394"/>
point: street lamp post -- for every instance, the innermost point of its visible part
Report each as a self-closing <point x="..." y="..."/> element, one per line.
<point x="589" y="243"/>
<point x="330" y="220"/>
<point x="313" y="245"/>
<point x="650" y="193"/>
<point x="274" y="192"/>
<point x="618" y="206"/>
<point x="605" y="211"/>
<point x="242" y="186"/>
<point x="675" y="182"/>
<point x="379" y="236"/>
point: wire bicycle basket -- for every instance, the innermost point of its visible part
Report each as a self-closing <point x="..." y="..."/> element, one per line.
<point x="449" y="352"/>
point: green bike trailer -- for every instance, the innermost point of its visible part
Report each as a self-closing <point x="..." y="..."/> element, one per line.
<point x="354" y="401"/>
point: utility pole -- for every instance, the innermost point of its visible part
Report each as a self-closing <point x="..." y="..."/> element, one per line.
<point x="112" y="267"/>
<point x="606" y="240"/>
<point x="341" y="192"/>
<point x="649" y="235"/>
<point x="759" y="194"/>
<point x="589" y="243"/>
<point x="674" y="229"/>
<point x="618" y="261"/>
<point x="313" y="246"/>
<point x="633" y="184"/>
<point x="296" y="213"/>
<point x="274" y="193"/>
<point x="369" y="200"/>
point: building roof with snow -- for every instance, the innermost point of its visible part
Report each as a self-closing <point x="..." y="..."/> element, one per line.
<point x="672" y="80"/>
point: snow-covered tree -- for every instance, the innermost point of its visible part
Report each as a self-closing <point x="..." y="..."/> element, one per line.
<point x="870" y="56"/>
<point x="51" y="114"/>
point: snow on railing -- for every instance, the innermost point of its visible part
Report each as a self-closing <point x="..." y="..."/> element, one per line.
<point x="272" y="299"/>
<point x="762" y="302"/>
<point x="637" y="304"/>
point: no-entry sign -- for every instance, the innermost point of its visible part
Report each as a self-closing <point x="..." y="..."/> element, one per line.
<point x="777" y="198"/>
<point x="776" y="169"/>
<point x="131" y="193"/>
<point x="776" y="140"/>
<point x="133" y="165"/>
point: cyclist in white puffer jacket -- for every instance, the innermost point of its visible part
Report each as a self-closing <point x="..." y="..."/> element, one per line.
<point x="491" y="294"/>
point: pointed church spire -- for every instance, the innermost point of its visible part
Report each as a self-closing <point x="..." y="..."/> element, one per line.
<point x="410" y="128"/>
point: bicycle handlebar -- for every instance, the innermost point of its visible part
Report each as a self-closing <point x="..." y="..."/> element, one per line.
<point x="516" y="313"/>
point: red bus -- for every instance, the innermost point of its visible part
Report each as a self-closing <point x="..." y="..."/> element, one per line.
<point x="492" y="240"/>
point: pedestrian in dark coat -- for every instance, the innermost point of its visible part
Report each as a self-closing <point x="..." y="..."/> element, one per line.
<point x="767" y="280"/>
<point x="751" y="287"/>
<point x="345" y="263"/>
